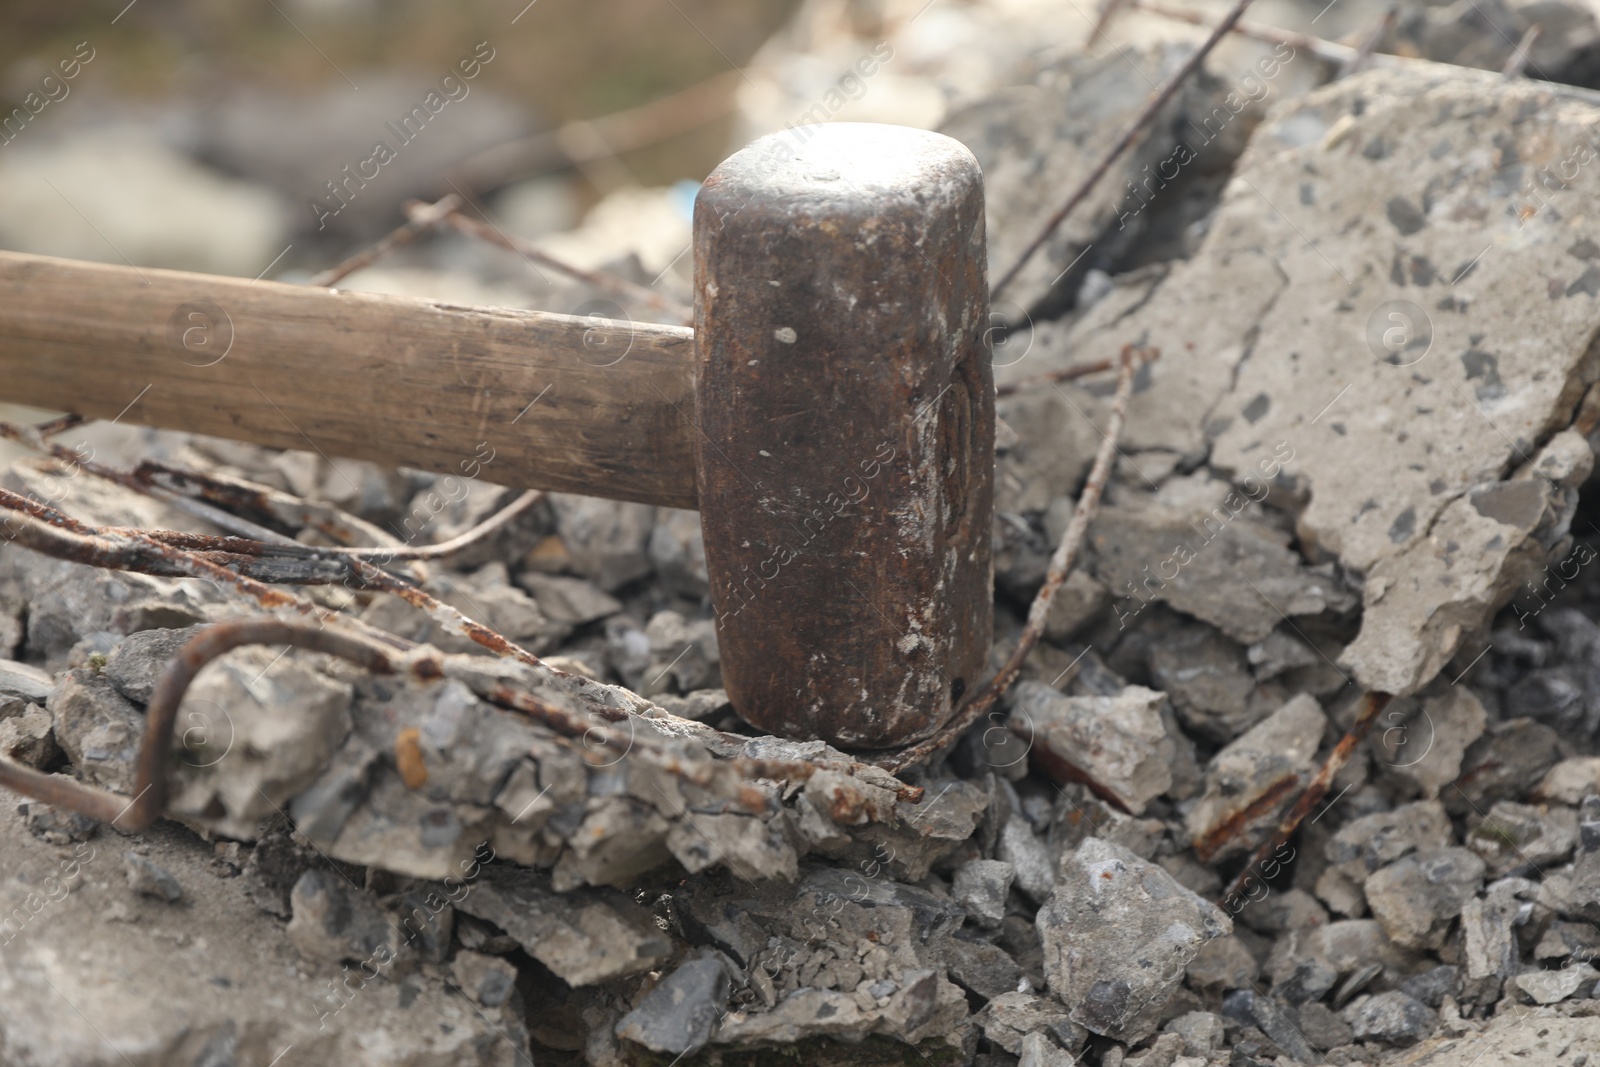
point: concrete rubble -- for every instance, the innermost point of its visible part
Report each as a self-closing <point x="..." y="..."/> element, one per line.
<point x="1363" y="461"/>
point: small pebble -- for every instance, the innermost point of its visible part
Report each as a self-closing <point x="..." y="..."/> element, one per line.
<point x="147" y="879"/>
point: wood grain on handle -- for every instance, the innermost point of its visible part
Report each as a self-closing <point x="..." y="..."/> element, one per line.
<point x="396" y="380"/>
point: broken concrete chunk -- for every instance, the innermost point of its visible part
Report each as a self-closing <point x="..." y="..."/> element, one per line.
<point x="982" y="886"/>
<point x="1415" y="898"/>
<point x="1010" y="1017"/>
<point x="1202" y="1032"/>
<point x="1196" y="545"/>
<point x="1251" y="780"/>
<point x="1432" y="986"/>
<point x="678" y="553"/>
<point x="1347" y="946"/>
<point x="1308" y="982"/>
<point x="683" y="654"/>
<point x="607" y="539"/>
<point x="1472" y="364"/>
<point x="56" y="826"/>
<point x="1574" y="892"/>
<point x="1517" y="835"/>
<point x="1425" y="598"/>
<point x="272" y="869"/>
<point x="571" y="601"/>
<point x="1504" y="764"/>
<point x="1118" y="742"/>
<point x="929" y="915"/>
<point x="1037" y="139"/>
<point x="1551" y="987"/>
<point x="1118" y="933"/>
<point x="584" y="937"/>
<point x="29" y="738"/>
<point x="702" y="705"/>
<point x="240" y="995"/>
<point x="140" y="659"/>
<point x="619" y="839"/>
<point x="150" y="879"/>
<point x="1279" y="1022"/>
<point x="1039" y="1051"/>
<point x="987" y="970"/>
<point x="253" y="731"/>
<point x="1278" y="653"/>
<point x="69" y="601"/>
<point x="334" y="921"/>
<point x="1055" y="446"/>
<point x="11" y="627"/>
<point x="488" y="980"/>
<point x="1341" y="893"/>
<point x="750" y="847"/>
<point x="1289" y="909"/>
<point x="1028" y="856"/>
<point x="680" y="1013"/>
<point x="1363" y="845"/>
<point x="1210" y="683"/>
<point x="1393" y="1018"/>
<point x="487" y="596"/>
<point x="1428" y="746"/>
<point x="1569" y="781"/>
<point x="1566" y="940"/>
<point x="1222" y="964"/>
<point x="1563" y="50"/>
<point x="915" y="1007"/>
<point x="1078" y="602"/>
<point x="21" y="685"/>
<point x="97" y="728"/>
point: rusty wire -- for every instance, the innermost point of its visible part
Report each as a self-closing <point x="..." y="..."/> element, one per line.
<point x="1145" y="354"/>
<point x="1361" y="57"/>
<point x="161" y="553"/>
<point x="192" y="491"/>
<point x="614" y="284"/>
<point x="1157" y="101"/>
<point x="424" y="219"/>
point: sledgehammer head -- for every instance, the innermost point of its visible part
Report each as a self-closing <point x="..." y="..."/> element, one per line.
<point x="845" y="403"/>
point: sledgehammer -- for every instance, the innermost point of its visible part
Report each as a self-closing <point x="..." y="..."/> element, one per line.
<point x="831" y="414"/>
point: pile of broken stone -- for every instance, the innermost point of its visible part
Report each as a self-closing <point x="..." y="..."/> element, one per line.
<point x="1307" y="507"/>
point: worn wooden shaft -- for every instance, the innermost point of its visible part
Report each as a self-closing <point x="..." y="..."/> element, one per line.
<point x="846" y="405"/>
<point x="397" y="380"/>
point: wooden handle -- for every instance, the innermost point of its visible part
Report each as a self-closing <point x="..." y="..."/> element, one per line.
<point x="577" y="405"/>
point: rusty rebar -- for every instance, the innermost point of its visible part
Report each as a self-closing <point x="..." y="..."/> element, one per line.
<point x="152" y="762"/>
<point x="149" y="801"/>
<point x="1370" y="705"/>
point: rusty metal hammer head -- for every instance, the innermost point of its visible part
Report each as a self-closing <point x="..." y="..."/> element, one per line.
<point x="845" y="403"/>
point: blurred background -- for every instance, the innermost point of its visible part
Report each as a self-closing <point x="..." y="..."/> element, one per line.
<point x="274" y="138"/>
<point x="202" y="134"/>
